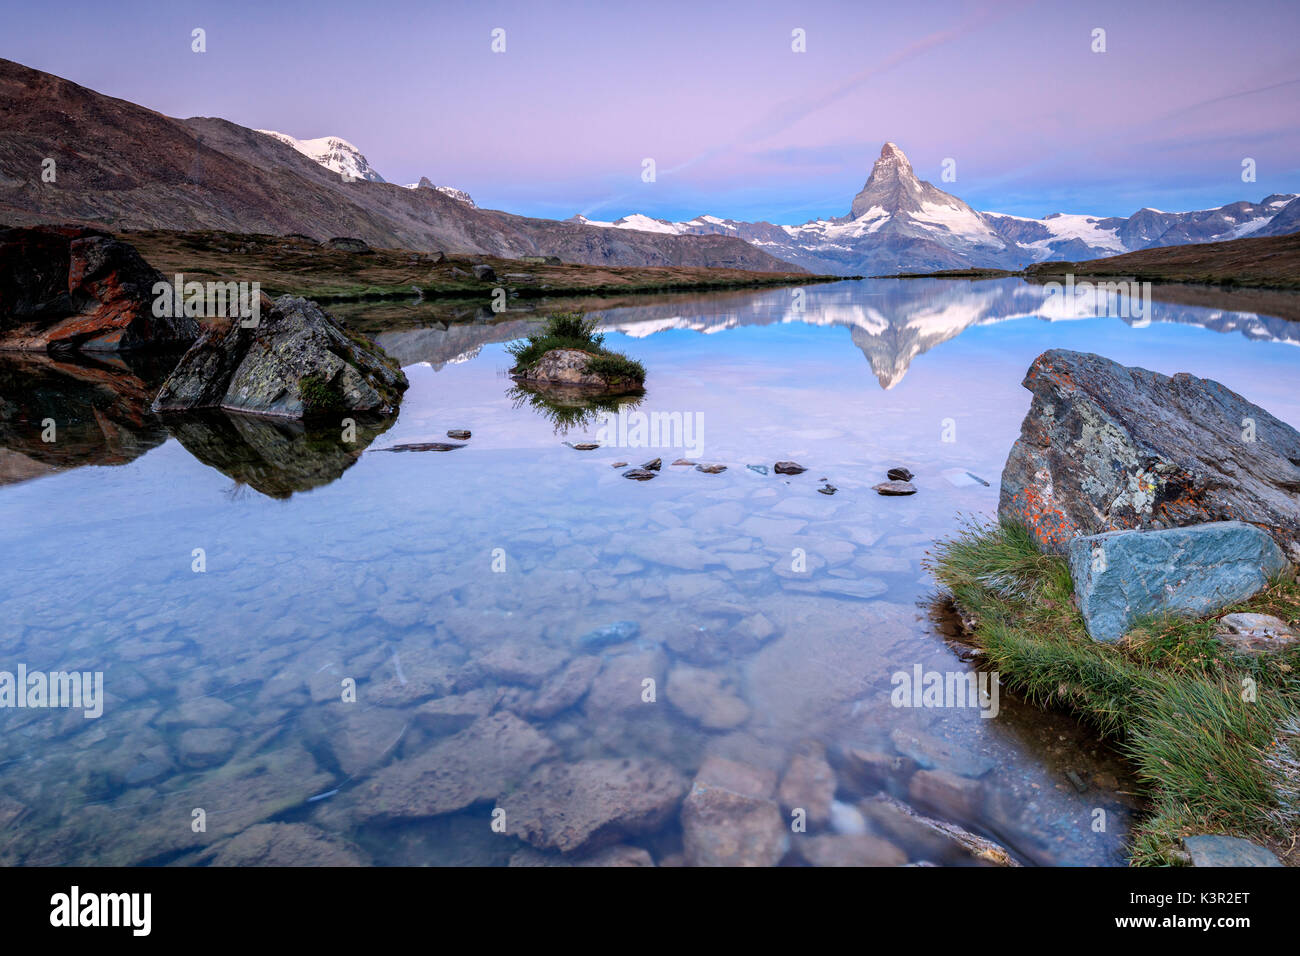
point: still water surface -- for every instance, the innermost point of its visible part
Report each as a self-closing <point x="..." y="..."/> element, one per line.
<point x="466" y="577"/>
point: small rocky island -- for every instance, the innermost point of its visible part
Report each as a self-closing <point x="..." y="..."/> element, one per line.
<point x="568" y="356"/>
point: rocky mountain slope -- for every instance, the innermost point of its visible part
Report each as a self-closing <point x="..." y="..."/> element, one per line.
<point x="900" y="223"/>
<point x="120" y="165"/>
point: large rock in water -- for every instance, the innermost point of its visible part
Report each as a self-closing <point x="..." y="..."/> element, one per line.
<point x="70" y="287"/>
<point x="1105" y="448"/>
<point x="1120" y="576"/>
<point x="296" y="362"/>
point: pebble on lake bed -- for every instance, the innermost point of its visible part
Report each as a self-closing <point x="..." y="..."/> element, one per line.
<point x="895" y="488"/>
<point x="711" y="469"/>
<point x="899" y="474"/>
<point x="683" y="461"/>
<point x="653" y="465"/>
<point x="789" y="468"/>
<point x="827" y="489"/>
<point x="583" y="445"/>
<point x="761" y="469"/>
<point x="460" y="434"/>
<point x="639" y="474"/>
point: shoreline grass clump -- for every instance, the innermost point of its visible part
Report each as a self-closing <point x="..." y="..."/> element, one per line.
<point x="1213" y="735"/>
<point x="573" y="330"/>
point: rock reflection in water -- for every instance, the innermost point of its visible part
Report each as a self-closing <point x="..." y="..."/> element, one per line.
<point x="570" y="409"/>
<point x="273" y="456"/>
<point x="64" y="412"/>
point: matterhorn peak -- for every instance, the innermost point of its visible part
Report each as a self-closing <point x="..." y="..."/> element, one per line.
<point x="891" y="151"/>
<point x="892" y="186"/>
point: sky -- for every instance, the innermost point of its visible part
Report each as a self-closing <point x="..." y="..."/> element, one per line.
<point x="738" y="123"/>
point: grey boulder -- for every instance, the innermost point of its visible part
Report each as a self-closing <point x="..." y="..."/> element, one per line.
<point x="1120" y="576"/>
<point x="1216" y="850"/>
<point x="295" y="361"/>
<point x="1105" y="447"/>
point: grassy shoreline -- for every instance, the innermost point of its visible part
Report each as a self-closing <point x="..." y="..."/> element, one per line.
<point x="1211" y="760"/>
<point x="1267" y="263"/>
<point x="300" y="266"/>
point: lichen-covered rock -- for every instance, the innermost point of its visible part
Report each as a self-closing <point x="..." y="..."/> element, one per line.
<point x="295" y="362"/>
<point x="1120" y="576"/>
<point x="74" y="288"/>
<point x="1106" y="448"/>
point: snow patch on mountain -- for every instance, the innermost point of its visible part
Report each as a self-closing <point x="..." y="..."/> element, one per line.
<point x="332" y="152"/>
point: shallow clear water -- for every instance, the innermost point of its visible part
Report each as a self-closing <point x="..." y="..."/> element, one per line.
<point x="422" y="576"/>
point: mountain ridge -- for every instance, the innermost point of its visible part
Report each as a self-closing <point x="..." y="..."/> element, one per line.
<point x="900" y="223"/>
<point x="120" y="165"/>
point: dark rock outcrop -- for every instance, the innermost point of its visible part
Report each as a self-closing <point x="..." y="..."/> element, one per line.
<point x="296" y="362"/>
<point x="70" y="287"/>
<point x="1108" y="448"/>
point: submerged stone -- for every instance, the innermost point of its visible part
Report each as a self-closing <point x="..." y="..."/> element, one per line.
<point x="899" y="474"/>
<point x="724" y="828"/>
<point x="1192" y="572"/>
<point x="592" y="803"/>
<point x="789" y="468"/>
<point x="422" y="446"/>
<point x="616" y="633"/>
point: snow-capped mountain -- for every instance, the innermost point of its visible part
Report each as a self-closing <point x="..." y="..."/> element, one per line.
<point x="333" y="153"/>
<point x="899" y="223"/>
<point x="451" y="191"/>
